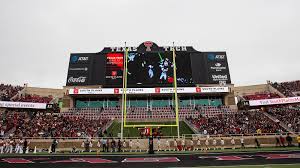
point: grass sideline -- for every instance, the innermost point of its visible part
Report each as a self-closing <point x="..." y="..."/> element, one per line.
<point x="115" y="128"/>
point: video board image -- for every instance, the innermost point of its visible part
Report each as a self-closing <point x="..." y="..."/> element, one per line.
<point x="114" y="68"/>
<point x="151" y="69"/>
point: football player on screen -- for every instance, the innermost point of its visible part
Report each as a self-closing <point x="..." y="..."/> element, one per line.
<point x="150" y="71"/>
<point x="164" y="64"/>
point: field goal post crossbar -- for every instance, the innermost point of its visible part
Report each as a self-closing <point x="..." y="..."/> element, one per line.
<point x="124" y="99"/>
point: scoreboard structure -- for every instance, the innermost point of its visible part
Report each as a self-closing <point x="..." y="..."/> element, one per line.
<point x="149" y="65"/>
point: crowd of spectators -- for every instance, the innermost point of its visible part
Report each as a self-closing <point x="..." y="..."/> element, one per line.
<point x="243" y="122"/>
<point x="260" y="96"/>
<point x="54" y="125"/>
<point x="8" y="91"/>
<point x="48" y="124"/>
<point x="10" y="120"/>
<point x="289" y="115"/>
<point x="33" y="98"/>
<point x="288" y="88"/>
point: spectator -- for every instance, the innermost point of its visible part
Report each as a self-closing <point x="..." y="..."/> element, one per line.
<point x="257" y="142"/>
<point x="2" y="146"/>
<point x="242" y="142"/>
<point x="232" y="143"/>
<point x="119" y="145"/>
<point x="282" y="140"/>
<point x="289" y="140"/>
<point x="298" y="139"/>
<point x="104" y="147"/>
<point x="277" y="142"/>
<point x="54" y="145"/>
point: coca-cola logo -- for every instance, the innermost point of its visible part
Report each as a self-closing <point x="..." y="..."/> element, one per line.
<point x="80" y="79"/>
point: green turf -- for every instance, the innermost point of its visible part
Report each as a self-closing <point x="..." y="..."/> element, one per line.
<point x="115" y="128"/>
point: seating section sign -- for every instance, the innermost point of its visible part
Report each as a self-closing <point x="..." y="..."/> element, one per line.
<point x="76" y="91"/>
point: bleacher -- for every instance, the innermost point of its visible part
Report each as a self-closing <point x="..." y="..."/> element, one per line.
<point x="260" y="96"/>
<point x="146" y="112"/>
<point x="289" y="89"/>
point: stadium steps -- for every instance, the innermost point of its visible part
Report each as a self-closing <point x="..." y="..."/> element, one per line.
<point x="54" y="100"/>
<point x="283" y="125"/>
<point x="11" y="131"/>
<point x="109" y="123"/>
<point x="192" y="127"/>
<point x="19" y="93"/>
<point x="274" y="90"/>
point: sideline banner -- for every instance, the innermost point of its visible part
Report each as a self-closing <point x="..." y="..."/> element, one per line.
<point x="266" y="102"/>
<point x="9" y="104"/>
<point x="157" y="90"/>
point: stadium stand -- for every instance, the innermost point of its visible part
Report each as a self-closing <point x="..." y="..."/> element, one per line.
<point x="8" y="91"/>
<point x="33" y="98"/>
<point x="40" y="124"/>
<point x="259" y="96"/>
<point x="289" y="89"/>
<point x="288" y="114"/>
<point x="90" y="118"/>
<point x="154" y="112"/>
<point x="243" y="122"/>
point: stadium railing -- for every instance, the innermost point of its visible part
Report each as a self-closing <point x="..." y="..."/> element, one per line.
<point x="163" y="137"/>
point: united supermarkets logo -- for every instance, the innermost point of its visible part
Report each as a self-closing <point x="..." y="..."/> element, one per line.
<point x="219" y="77"/>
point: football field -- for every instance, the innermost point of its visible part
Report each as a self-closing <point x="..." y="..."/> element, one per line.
<point x="115" y="128"/>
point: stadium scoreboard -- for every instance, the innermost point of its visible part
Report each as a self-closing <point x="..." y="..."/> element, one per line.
<point x="149" y="65"/>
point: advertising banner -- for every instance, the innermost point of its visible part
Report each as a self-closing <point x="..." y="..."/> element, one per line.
<point x="81" y="58"/>
<point x="9" y="104"/>
<point x="266" y="102"/>
<point x="77" y="79"/>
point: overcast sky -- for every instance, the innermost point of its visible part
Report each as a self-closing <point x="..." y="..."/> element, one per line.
<point x="261" y="37"/>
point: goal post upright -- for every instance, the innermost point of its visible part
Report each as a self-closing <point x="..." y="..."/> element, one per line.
<point x="125" y="87"/>
<point x="175" y="91"/>
<point x="123" y="110"/>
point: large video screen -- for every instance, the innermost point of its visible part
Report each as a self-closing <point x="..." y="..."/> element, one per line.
<point x="150" y="69"/>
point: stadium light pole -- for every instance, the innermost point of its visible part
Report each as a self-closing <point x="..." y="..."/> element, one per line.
<point x="175" y="91"/>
